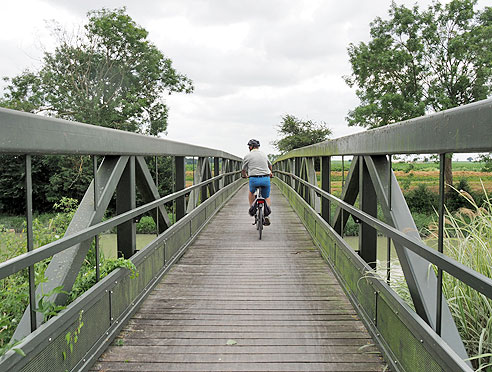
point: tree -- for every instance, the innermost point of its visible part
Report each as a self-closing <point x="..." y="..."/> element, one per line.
<point x="108" y="75"/>
<point x="298" y="133"/>
<point x="419" y="62"/>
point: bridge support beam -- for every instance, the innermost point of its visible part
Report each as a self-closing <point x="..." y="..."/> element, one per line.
<point x="368" y="203"/>
<point x="65" y="266"/>
<point x="125" y="201"/>
<point x="326" y="186"/>
<point x="180" y="168"/>
<point x="147" y="187"/>
<point x="349" y="194"/>
<point x="421" y="281"/>
<point x="216" y="173"/>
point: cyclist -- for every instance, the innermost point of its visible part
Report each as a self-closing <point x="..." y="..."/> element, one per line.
<point x="259" y="169"/>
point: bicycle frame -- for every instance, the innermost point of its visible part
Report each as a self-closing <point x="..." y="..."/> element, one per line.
<point x="260" y="214"/>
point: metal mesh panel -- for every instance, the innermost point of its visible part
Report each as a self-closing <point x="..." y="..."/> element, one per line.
<point x="409" y="351"/>
<point x="121" y="297"/>
<point x="366" y="297"/>
<point x="197" y="221"/>
<point x="177" y="240"/>
<point x="158" y="259"/>
<point x="56" y="356"/>
<point x="210" y="209"/>
<point x="347" y="271"/>
<point x="309" y="221"/>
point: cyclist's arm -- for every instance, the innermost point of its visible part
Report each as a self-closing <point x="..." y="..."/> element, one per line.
<point x="244" y="167"/>
<point x="271" y="171"/>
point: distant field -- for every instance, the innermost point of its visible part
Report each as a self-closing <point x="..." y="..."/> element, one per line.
<point x="408" y="173"/>
<point x="411" y="175"/>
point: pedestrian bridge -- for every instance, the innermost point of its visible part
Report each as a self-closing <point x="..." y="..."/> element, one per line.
<point x="210" y="296"/>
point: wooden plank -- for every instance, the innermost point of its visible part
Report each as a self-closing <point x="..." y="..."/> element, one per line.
<point x="237" y="367"/>
<point x="276" y="299"/>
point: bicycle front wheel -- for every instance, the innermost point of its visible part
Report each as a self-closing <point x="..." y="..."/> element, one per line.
<point x="260" y="221"/>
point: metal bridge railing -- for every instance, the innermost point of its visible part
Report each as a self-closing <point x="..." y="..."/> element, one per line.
<point x="99" y="314"/>
<point x="427" y="338"/>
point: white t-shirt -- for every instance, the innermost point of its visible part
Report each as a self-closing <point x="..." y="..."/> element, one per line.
<point x="256" y="163"/>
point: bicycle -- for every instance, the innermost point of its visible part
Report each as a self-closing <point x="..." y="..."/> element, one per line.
<point x="260" y="204"/>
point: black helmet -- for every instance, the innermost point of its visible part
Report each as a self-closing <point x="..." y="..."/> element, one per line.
<point x="254" y="143"/>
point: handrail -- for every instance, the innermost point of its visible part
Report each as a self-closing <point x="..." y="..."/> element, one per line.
<point x="441" y="132"/>
<point x="24" y="133"/>
<point x="24" y="260"/>
<point x="478" y="281"/>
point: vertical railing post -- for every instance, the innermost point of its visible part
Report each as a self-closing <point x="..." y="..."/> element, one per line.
<point x="388" y="248"/>
<point x="440" y="243"/>
<point x="30" y="241"/>
<point x="342" y="211"/>
<point x="125" y="201"/>
<point x="326" y="186"/>
<point x="297" y="170"/>
<point x="96" y="201"/>
<point x="368" y="203"/>
<point x="216" y="173"/>
<point x="205" y="169"/>
<point x="156" y="181"/>
<point x="179" y="162"/>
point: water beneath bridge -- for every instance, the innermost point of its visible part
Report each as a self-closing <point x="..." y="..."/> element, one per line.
<point x="235" y="303"/>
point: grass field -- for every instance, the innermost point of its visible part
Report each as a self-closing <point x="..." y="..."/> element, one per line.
<point x="410" y="175"/>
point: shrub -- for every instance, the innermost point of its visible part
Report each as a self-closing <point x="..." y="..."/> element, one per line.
<point x="146" y="225"/>
<point x="14" y="294"/>
<point x="421" y="200"/>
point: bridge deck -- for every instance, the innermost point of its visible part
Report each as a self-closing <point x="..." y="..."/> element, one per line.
<point x="234" y="303"/>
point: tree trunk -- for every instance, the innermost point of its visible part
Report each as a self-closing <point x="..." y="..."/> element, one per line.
<point x="448" y="173"/>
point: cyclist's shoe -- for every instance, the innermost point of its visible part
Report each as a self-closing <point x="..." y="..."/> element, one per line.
<point x="267" y="221"/>
<point x="268" y="210"/>
<point x="252" y="210"/>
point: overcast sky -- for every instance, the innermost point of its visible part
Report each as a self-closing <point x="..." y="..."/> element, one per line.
<point x="251" y="61"/>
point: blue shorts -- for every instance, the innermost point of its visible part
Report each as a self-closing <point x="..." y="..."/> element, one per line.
<point x="263" y="182"/>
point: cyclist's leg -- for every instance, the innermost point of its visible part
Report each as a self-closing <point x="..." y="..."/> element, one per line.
<point x="251" y="197"/>
<point x="265" y="192"/>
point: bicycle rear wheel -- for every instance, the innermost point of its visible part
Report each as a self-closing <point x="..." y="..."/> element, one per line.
<point x="260" y="221"/>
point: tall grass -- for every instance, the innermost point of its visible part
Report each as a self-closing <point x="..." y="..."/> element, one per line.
<point x="468" y="239"/>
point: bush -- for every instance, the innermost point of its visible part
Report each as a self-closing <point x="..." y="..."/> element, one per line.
<point x="146" y="225"/>
<point x="421" y="200"/>
<point x="14" y="295"/>
<point x="456" y="200"/>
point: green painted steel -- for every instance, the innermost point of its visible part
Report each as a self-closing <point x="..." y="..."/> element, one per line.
<point x="105" y="308"/>
<point x="462" y="129"/>
<point x="24" y="133"/>
<point x="407" y="342"/>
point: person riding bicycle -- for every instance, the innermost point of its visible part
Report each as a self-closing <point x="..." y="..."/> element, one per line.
<point x="259" y="169"/>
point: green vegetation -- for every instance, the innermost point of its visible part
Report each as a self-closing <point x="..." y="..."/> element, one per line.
<point x="468" y="240"/>
<point x="111" y="75"/>
<point x="298" y="133"/>
<point x="14" y="295"/>
<point x="421" y="61"/>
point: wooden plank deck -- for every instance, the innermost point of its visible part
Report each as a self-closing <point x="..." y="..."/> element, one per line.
<point x="234" y="303"/>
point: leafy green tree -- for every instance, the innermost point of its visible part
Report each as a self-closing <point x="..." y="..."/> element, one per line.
<point x="110" y="75"/>
<point x="419" y="62"/>
<point x="298" y="133"/>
